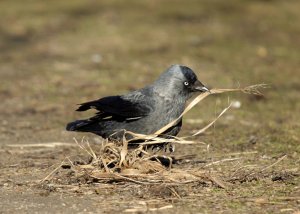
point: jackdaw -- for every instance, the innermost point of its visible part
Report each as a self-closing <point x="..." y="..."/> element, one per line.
<point x="143" y="111"/>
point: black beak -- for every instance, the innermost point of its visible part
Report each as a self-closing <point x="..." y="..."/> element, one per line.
<point x="198" y="86"/>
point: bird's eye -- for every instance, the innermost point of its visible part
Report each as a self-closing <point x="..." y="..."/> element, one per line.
<point x="186" y="83"/>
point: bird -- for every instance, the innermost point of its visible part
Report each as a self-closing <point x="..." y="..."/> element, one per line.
<point x="143" y="111"/>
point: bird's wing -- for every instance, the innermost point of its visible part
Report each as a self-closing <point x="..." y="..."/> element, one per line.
<point x="133" y="105"/>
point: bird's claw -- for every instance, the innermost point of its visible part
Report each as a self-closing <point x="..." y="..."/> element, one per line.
<point x="166" y="147"/>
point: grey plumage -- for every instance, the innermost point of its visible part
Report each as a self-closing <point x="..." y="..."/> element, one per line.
<point x="142" y="111"/>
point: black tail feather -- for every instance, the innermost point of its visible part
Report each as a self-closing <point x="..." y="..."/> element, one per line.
<point x="76" y="125"/>
<point x="87" y="105"/>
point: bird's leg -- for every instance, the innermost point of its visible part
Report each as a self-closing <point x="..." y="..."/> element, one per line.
<point x="169" y="147"/>
<point x="157" y="147"/>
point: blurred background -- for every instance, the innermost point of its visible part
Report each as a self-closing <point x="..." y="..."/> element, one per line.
<point x="55" y="54"/>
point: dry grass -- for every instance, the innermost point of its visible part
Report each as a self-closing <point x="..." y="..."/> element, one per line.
<point x="49" y="51"/>
<point x="116" y="162"/>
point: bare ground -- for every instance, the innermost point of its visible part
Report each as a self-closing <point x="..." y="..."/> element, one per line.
<point x="55" y="54"/>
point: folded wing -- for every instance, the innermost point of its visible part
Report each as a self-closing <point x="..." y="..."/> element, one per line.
<point x="125" y="107"/>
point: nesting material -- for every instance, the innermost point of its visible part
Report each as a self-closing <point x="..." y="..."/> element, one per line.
<point x="115" y="162"/>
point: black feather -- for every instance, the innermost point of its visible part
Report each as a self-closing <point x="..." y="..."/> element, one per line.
<point x="116" y="105"/>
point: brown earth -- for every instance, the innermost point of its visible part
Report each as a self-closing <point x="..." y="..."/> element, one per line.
<point x="55" y="54"/>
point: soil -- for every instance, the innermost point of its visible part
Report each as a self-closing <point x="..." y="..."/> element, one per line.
<point x="55" y="54"/>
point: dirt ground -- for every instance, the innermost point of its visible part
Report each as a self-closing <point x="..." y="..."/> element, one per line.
<point x="55" y="54"/>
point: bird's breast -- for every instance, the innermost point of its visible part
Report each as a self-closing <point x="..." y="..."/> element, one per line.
<point x="164" y="111"/>
<point x="169" y="110"/>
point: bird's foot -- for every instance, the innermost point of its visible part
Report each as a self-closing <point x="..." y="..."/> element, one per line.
<point x="171" y="147"/>
<point x="167" y="147"/>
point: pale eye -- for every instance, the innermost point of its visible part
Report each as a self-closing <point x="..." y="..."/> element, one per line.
<point x="186" y="83"/>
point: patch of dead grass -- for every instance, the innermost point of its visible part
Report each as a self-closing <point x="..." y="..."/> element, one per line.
<point x="116" y="162"/>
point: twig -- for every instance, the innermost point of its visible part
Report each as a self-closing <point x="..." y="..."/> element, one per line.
<point x="51" y="173"/>
<point x="265" y="168"/>
<point x="48" y="145"/>
<point x="174" y="192"/>
<point x="253" y="89"/>
<point x="221" y="161"/>
<point x="210" y="124"/>
<point x="82" y="147"/>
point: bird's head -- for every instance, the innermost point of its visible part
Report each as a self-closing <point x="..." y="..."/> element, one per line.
<point x="180" y="80"/>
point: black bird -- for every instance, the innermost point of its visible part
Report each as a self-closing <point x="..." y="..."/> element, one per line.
<point x="143" y="111"/>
